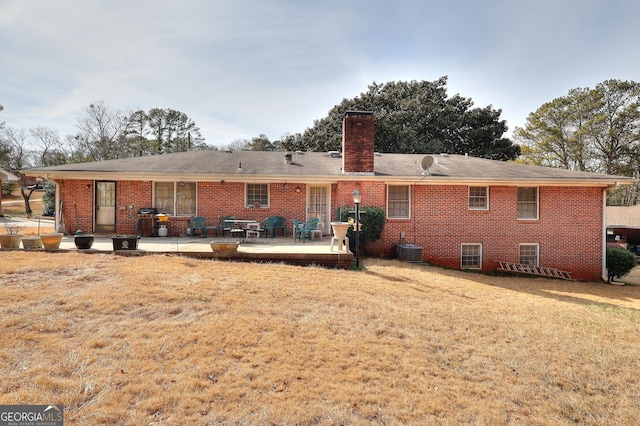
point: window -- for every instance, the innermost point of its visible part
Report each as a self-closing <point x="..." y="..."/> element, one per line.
<point x="471" y="256"/>
<point x="528" y="254"/>
<point x="398" y="202"/>
<point x="528" y="203"/>
<point x="175" y="198"/>
<point x="257" y="195"/>
<point x="478" y="198"/>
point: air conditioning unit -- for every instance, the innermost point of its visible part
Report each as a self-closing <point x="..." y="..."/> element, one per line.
<point x="410" y="253"/>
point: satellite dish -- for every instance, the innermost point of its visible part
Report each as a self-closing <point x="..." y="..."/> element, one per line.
<point x="427" y="162"/>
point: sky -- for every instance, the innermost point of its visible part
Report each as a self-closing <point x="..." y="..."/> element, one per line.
<point x="243" y="68"/>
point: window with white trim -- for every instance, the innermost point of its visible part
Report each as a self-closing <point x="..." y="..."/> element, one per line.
<point x="528" y="254"/>
<point x="175" y="198"/>
<point x="398" y="201"/>
<point x="478" y="198"/>
<point x="527" y="203"/>
<point x="471" y="256"/>
<point x="257" y="195"/>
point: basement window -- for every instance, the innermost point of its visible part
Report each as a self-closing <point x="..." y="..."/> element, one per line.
<point x="529" y="254"/>
<point x="471" y="256"/>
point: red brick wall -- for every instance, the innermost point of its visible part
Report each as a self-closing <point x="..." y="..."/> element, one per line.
<point x="215" y="199"/>
<point x="131" y="195"/>
<point x="568" y="231"/>
<point x="77" y="205"/>
<point x="358" y="144"/>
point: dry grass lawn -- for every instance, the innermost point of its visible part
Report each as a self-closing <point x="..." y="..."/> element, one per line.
<point x="166" y="340"/>
<point x="13" y="204"/>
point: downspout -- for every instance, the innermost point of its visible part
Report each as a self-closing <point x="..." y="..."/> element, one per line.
<point x="603" y="272"/>
<point x="414" y="213"/>
<point x="57" y="208"/>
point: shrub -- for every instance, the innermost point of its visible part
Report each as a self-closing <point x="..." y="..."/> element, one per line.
<point x="372" y="220"/>
<point x="8" y="187"/>
<point x="619" y="262"/>
<point x="49" y="199"/>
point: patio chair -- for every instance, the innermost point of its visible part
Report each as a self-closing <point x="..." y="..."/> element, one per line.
<point x="223" y="225"/>
<point x="236" y="230"/>
<point x="197" y="223"/>
<point x="281" y="223"/>
<point x="253" y="230"/>
<point x="300" y="230"/>
<point x="268" y="225"/>
<point x="312" y="224"/>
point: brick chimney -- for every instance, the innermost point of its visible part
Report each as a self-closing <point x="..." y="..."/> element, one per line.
<point x="358" y="142"/>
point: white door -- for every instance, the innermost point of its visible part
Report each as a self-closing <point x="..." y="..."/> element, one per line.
<point x="105" y="207"/>
<point x="318" y="202"/>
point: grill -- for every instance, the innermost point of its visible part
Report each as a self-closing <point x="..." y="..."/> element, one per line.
<point x="148" y="210"/>
<point x="146" y="223"/>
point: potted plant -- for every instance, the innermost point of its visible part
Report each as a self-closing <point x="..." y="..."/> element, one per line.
<point x="12" y="237"/>
<point x="30" y="243"/>
<point x="52" y="240"/>
<point x="83" y="241"/>
<point x="125" y="242"/>
<point x="224" y="245"/>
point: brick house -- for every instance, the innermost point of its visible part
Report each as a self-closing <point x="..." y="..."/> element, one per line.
<point x="464" y="212"/>
<point x="624" y="221"/>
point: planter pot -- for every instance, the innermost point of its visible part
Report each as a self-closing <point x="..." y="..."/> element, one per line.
<point x="340" y="229"/>
<point x="224" y="246"/>
<point x="83" y="242"/>
<point x="51" y="241"/>
<point x="30" y="243"/>
<point x="11" y="240"/>
<point x="125" y="242"/>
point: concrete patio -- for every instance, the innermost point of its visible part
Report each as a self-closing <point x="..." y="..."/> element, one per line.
<point x="280" y="249"/>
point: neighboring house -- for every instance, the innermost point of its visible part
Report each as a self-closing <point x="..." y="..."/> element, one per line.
<point x="624" y="221"/>
<point x="464" y="212"/>
<point x="6" y="176"/>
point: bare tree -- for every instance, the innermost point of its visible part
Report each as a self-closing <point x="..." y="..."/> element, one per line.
<point x="19" y="155"/>
<point x="49" y="146"/>
<point x="102" y="133"/>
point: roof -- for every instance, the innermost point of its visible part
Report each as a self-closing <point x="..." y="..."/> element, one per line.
<point x="321" y="166"/>
<point x="5" y="175"/>
<point x="623" y="217"/>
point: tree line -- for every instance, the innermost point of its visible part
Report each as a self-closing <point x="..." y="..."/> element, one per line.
<point x="103" y="133"/>
<point x="590" y="129"/>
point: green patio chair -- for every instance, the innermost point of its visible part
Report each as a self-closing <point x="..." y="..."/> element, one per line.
<point x="301" y="230"/>
<point x="281" y="223"/>
<point x="197" y="223"/>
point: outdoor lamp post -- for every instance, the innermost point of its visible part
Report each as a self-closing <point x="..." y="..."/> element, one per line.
<point x="356" y="200"/>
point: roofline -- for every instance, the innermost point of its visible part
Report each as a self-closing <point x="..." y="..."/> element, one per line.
<point x="399" y="180"/>
<point x="8" y="176"/>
